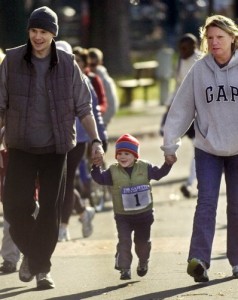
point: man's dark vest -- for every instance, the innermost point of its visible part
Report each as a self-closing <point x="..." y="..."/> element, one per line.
<point x="59" y="87"/>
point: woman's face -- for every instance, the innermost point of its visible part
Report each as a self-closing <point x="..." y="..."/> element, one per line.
<point x="41" y="41"/>
<point x="219" y="44"/>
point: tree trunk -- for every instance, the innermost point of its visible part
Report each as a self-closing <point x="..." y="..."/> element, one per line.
<point x="109" y="31"/>
<point x="12" y="23"/>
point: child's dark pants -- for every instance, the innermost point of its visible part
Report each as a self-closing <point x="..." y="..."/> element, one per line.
<point x="141" y="225"/>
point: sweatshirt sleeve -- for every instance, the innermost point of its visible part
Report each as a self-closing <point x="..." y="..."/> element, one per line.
<point x="99" y="89"/>
<point x="180" y="115"/>
<point x="100" y="176"/>
<point x="3" y="87"/>
<point x="156" y="173"/>
<point x="81" y="93"/>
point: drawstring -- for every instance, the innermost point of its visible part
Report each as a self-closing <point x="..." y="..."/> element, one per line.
<point x="228" y="82"/>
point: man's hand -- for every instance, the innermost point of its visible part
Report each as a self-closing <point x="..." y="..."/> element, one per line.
<point x="170" y="159"/>
<point x="97" y="154"/>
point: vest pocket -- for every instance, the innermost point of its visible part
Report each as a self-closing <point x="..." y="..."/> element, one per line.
<point x="13" y="128"/>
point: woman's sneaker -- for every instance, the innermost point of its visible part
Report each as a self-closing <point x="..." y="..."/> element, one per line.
<point x="125" y="274"/>
<point x="197" y="269"/>
<point x="235" y="271"/>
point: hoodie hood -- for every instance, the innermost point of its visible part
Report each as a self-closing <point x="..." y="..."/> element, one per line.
<point x="210" y="61"/>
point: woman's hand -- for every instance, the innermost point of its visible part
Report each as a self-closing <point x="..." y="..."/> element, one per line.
<point x="170" y="159"/>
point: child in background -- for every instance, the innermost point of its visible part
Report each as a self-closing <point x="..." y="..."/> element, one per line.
<point x="9" y="251"/>
<point x="129" y="179"/>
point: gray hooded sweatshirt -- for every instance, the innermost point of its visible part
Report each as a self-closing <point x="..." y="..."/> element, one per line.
<point x="209" y="96"/>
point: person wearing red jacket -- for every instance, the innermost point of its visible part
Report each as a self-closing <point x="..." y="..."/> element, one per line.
<point x="94" y="78"/>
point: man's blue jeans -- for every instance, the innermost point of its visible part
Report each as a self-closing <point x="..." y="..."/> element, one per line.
<point x="209" y="169"/>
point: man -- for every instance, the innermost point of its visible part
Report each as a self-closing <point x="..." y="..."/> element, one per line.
<point x="41" y="91"/>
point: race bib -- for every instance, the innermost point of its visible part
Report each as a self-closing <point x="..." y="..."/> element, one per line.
<point x="136" y="197"/>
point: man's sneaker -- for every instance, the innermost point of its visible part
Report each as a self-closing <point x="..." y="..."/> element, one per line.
<point x="44" y="281"/>
<point x="235" y="271"/>
<point x="8" y="267"/>
<point x="86" y="220"/>
<point x="197" y="269"/>
<point x="142" y="269"/>
<point x="64" y="235"/>
<point x="24" y="271"/>
<point x="125" y="274"/>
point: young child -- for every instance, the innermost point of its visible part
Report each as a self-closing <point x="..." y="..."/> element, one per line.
<point x="129" y="179"/>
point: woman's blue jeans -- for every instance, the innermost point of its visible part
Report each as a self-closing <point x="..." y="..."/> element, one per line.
<point x="209" y="169"/>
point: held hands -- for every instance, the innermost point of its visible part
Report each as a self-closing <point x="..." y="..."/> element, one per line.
<point x="97" y="154"/>
<point x="170" y="159"/>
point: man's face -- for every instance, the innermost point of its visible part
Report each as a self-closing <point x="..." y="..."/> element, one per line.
<point x="40" y="41"/>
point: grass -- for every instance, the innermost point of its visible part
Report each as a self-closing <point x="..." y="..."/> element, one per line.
<point x="127" y="111"/>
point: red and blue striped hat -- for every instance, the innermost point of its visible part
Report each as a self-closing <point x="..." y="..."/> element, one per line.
<point x="128" y="143"/>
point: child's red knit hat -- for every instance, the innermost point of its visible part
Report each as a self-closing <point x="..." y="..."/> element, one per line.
<point x="128" y="143"/>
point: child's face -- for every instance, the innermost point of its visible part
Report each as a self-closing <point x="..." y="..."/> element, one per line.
<point x="125" y="159"/>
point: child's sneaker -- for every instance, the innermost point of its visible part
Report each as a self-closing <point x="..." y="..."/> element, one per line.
<point x="197" y="269"/>
<point x="125" y="274"/>
<point x="235" y="271"/>
<point x="142" y="268"/>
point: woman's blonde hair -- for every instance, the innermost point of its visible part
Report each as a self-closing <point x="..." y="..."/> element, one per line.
<point x="222" y="22"/>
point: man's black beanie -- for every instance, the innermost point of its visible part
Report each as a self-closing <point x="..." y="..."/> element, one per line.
<point x="44" y="18"/>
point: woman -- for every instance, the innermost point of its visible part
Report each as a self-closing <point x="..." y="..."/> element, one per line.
<point x="209" y="96"/>
<point x="73" y="159"/>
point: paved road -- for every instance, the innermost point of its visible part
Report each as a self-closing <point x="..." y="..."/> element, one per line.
<point x="84" y="268"/>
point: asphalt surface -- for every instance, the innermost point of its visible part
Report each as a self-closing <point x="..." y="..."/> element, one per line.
<point x="84" y="268"/>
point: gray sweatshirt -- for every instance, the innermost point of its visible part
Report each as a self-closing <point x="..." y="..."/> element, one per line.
<point x="208" y="94"/>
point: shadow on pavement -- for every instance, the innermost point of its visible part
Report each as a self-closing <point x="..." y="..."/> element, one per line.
<point x="9" y="293"/>
<point x="174" y="292"/>
<point x="223" y="256"/>
<point x="94" y="293"/>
